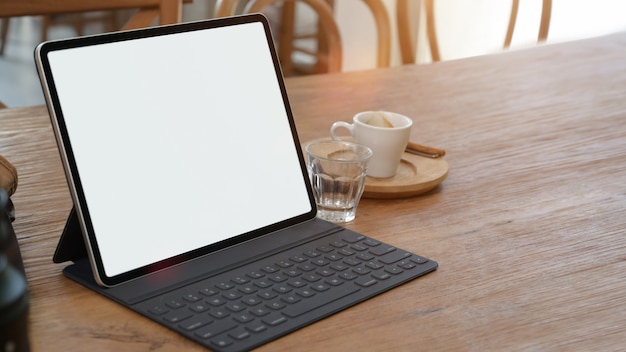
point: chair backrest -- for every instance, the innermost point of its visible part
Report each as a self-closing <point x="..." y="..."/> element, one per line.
<point x="168" y="11"/>
<point x="405" y="30"/>
<point x="383" y="28"/>
<point x="329" y="34"/>
<point x="326" y="19"/>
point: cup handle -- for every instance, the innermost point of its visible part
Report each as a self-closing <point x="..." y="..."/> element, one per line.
<point x="340" y="124"/>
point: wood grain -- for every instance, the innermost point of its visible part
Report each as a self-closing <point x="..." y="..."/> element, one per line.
<point x="528" y="227"/>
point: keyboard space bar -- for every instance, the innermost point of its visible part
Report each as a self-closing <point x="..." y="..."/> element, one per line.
<point x="317" y="301"/>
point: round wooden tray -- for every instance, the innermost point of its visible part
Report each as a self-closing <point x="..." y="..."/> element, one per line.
<point x="416" y="175"/>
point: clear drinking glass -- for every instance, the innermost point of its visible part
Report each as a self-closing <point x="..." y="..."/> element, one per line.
<point x="337" y="173"/>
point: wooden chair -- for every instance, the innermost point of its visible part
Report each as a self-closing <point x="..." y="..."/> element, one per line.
<point x="328" y="55"/>
<point x="407" y="42"/>
<point x="168" y="11"/>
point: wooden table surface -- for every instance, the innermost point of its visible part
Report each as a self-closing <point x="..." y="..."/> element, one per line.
<point x="529" y="228"/>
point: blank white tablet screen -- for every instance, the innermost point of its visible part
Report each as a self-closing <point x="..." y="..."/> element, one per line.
<point x="180" y="141"/>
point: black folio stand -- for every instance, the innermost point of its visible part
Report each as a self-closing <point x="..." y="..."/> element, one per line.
<point x="71" y="247"/>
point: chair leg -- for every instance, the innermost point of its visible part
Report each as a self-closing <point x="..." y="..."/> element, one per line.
<point x="4" y="31"/>
<point x="285" y="44"/>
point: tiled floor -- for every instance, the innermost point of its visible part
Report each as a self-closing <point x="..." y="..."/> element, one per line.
<point x="19" y="82"/>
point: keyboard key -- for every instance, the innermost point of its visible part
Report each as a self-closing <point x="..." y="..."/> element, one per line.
<point x="216" y="301"/>
<point x="263" y="283"/>
<point x="255" y="275"/>
<point x="277" y="277"/>
<point x="339" y="267"/>
<point x="235" y="306"/>
<point x="325" y="272"/>
<point x="297" y="283"/>
<point x="348" y="275"/>
<point x="177" y="316"/>
<point x="260" y="311"/>
<point x="224" y="286"/>
<point x="208" y="291"/>
<point x="269" y="269"/>
<point x="345" y="252"/>
<point x="282" y="289"/>
<point x="267" y="294"/>
<point x="366" y="281"/>
<point x="312" y="254"/>
<point x="158" y="310"/>
<point x="297" y="259"/>
<point x="292" y="272"/>
<point x="358" y="247"/>
<point x="419" y="260"/>
<point x="333" y="281"/>
<point x="322" y="299"/>
<point x="243" y="317"/>
<point x="372" y="243"/>
<point x="365" y="256"/>
<point x="381" y="275"/>
<point x="219" y="313"/>
<point x="352" y="237"/>
<point x="394" y="270"/>
<point x="333" y="257"/>
<point x="394" y="257"/>
<point x="240" y="280"/>
<point x="190" y="297"/>
<point x="274" y="319"/>
<point x="306" y="293"/>
<point x="351" y="261"/>
<point x="199" y="307"/>
<point x="374" y="265"/>
<point x="361" y="270"/>
<point x="325" y="249"/>
<point x="222" y="341"/>
<point x="311" y="277"/>
<point x="247" y="289"/>
<point x="239" y="334"/>
<point x="284" y="264"/>
<point x="406" y="264"/>
<point x="319" y="261"/>
<point x="196" y="322"/>
<point x="306" y="267"/>
<point x="175" y="304"/>
<point x="251" y="300"/>
<point x="338" y="244"/>
<point x="215" y="329"/>
<point x="319" y="287"/>
<point x="256" y="327"/>
<point x="275" y="305"/>
<point x="382" y="250"/>
<point x="291" y="299"/>
<point x="232" y="295"/>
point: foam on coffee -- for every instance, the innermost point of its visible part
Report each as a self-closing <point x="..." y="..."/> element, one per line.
<point x="379" y="120"/>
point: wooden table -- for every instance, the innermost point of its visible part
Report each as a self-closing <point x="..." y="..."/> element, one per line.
<point x="529" y="228"/>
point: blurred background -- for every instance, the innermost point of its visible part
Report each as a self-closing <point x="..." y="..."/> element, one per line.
<point x="464" y="28"/>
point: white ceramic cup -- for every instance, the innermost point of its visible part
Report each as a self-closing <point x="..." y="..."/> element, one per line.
<point x="387" y="143"/>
